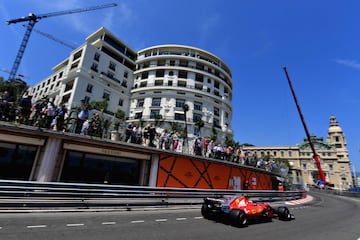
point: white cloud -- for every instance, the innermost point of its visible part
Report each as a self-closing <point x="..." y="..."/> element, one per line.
<point x="348" y="63"/>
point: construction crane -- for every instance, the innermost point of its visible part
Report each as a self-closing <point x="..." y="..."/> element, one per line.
<point x="315" y="155"/>
<point x="17" y="75"/>
<point x="53" y="38"/>
<point x="32" y="19"/>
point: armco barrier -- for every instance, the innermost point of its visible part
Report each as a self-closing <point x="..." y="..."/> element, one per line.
<point x="27" y="195"/>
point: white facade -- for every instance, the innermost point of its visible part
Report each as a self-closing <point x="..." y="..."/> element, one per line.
<point x="154" y="81"/>
<point x="169" y="76"/>
<point x="102" y="68"/>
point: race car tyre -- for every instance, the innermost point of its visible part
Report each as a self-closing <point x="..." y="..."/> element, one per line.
<point x="205" y="212"/>
<point x="283" y="213"/>
<point x="238" y="217"/>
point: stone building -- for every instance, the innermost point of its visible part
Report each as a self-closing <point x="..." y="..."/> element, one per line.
<point x="333" y="153"/>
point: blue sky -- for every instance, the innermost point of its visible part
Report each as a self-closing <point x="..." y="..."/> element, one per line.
<point x="318" y="41"/>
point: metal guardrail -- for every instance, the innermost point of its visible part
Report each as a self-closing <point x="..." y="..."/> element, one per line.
<point x="21" y="195"/>
<point x="345" y="193"/>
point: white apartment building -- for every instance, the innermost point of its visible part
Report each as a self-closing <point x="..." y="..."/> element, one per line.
<point x="101" y="68"/>
<point x="149" y="85"/>
<point x="169" y="76"/>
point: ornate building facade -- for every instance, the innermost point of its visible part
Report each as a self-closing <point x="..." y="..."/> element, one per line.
<point x="334" y="158"/>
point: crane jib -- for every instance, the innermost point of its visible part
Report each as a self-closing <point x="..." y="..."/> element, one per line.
<point x="32" y="19"/>
<point x="315" y="155"/>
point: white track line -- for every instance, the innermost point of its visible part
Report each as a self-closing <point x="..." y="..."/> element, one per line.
<point x="36" y="226"/>
<point x="108" y="223"/>
<point x="137" y="221"/>
<point x="75" y="224"/>
<point x="161" y="220"/>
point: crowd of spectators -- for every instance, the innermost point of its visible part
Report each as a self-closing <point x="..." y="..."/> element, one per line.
<point x="44" y="114"/>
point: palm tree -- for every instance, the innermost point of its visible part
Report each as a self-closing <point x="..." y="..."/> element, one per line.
<point x="199" y="124"/>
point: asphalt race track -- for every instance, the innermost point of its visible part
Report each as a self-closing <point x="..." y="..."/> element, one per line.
<point x="327" y="217"/>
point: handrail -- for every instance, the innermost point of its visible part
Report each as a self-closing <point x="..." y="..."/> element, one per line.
<point x="56" y="195"/>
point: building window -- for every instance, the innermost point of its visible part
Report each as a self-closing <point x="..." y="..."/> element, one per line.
<point x="94" y="67"/>
<point x="112" y="66"/>
<point x="159" y="73"/>
<point x="159" y="82"/>
<point x="216" y="111"/>
<point x="274" y="153"/>
<point x="183" y="63"/>
<point x="126" y="74"/>
<point x="143" y="84"/>
<point x="154" y="114"/>
<point x="179" y="117"/>
<point x="196" y="132"/>
<point x="181" y="84"/>
<point x="144" y="75"/>
<point x="216" y="84"/>
<point x="86" y="99"/>
<point x="77" y="55"/>
<point x="121" y="102"/>
<point x="196" y="117"/>
<point x="156" y="102"/>
<point x="331" y="167"/>
<point x="97" y="57"/>
<point x="111" y="75"/>
<point x="89" y="88"/>
<point x="290" y="153"/>
<point x="138" y="115"/>
<point x="161" y="63"/>
<point x="106" y="96"/>
<point x="216" y="123"/>
<point x="124" y="83"/>
<point x="200" y="66"/>
<point x="180" y="102"/>
<point x="282" y="153"/>
<point x="182" y="74"/>
<point x="304" y="166"/>
<point x="199" y="77"/>
<point x="198" y="106"/>
<point x="140" y="103"/>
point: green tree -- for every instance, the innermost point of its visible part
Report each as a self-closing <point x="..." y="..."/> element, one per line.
<point x="119" y="119"/>
<point x="214" y="134"/>
<point x="199" y="124"/>
<point x="99" y="105"/>
<point x="231" y="142"/>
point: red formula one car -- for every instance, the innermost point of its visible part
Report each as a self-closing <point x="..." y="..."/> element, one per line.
<point x="239" y="210"/>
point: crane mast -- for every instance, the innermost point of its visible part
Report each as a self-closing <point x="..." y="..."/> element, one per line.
<point x="315" y="155"/>
<point x="32" y="19"/>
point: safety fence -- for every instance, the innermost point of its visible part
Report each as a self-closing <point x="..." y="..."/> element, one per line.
<point x="27" y="195"/>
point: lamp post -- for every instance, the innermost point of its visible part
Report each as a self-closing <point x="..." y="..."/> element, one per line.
<point x="186" y="109"/>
